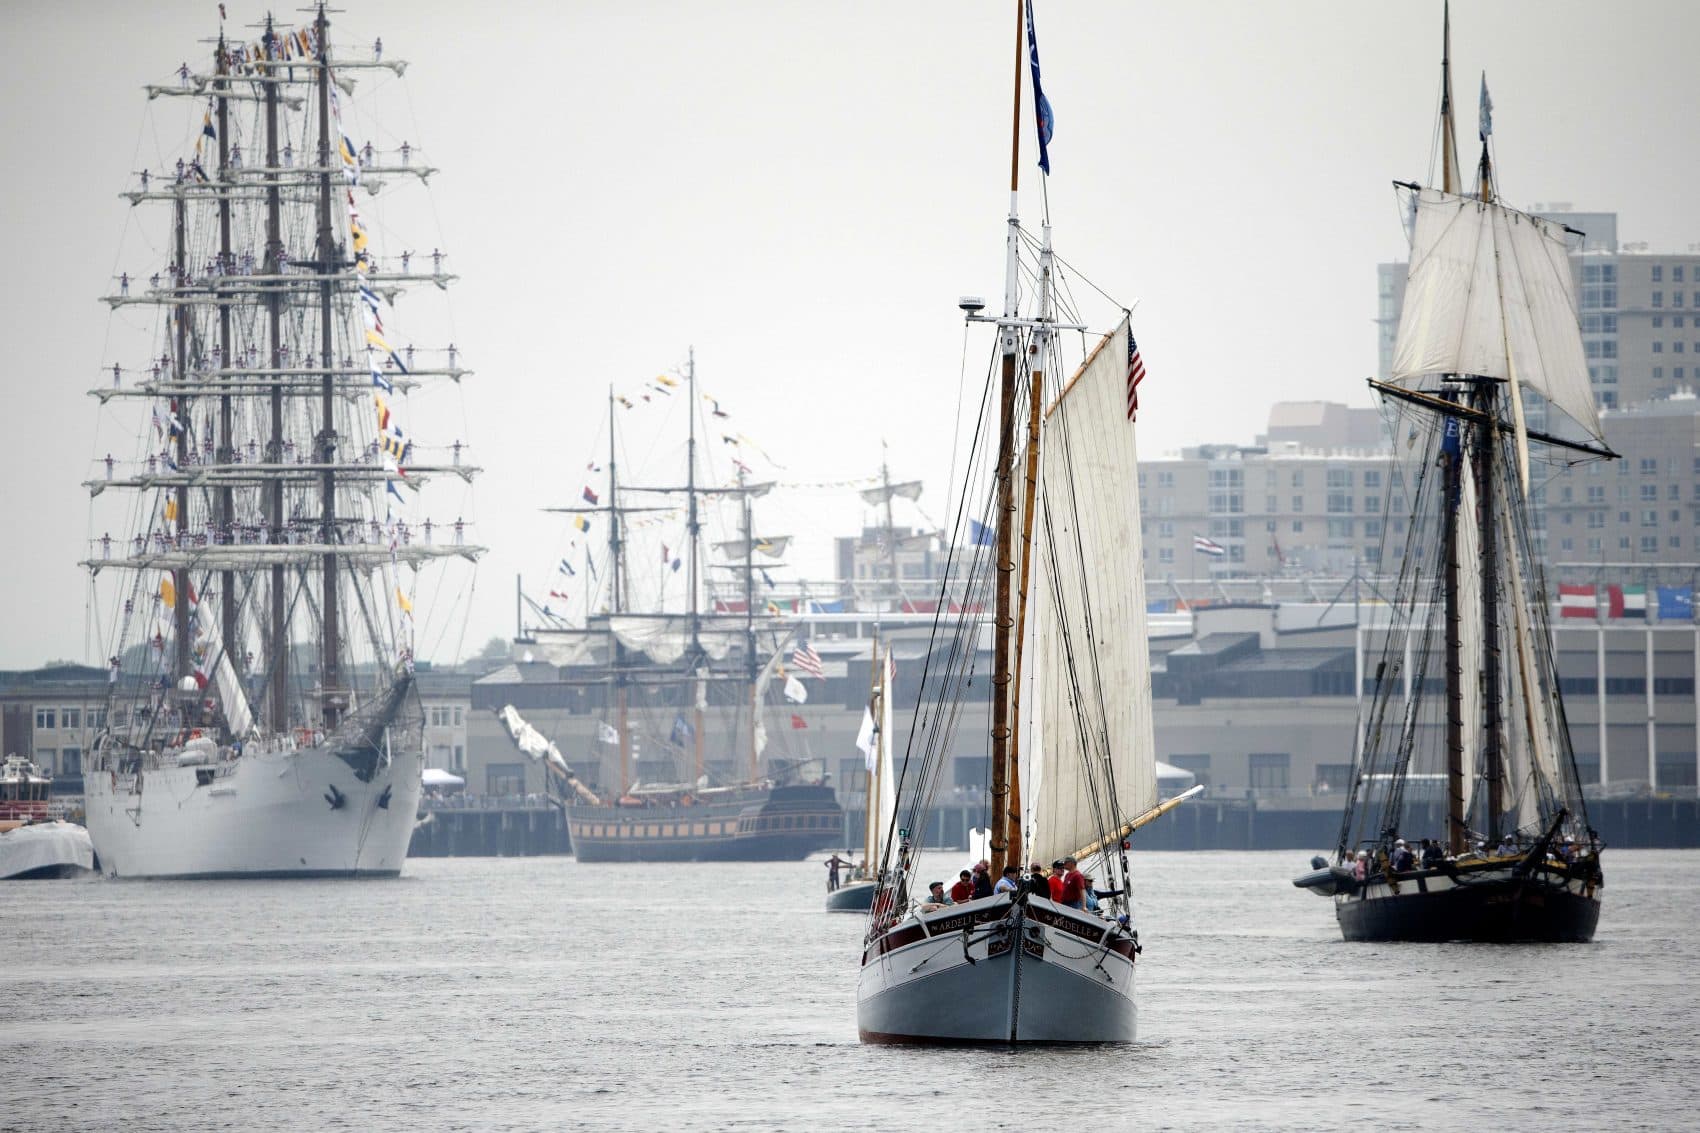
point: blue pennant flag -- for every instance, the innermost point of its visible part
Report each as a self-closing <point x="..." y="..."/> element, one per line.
<point x="980" y="534"/>
<point x="1043" y="117"/>
<point x="568" y="567"/>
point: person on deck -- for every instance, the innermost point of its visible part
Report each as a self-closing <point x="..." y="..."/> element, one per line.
<point x="1360" y="867"/>
<point x="1507" y="847"/>
<point x="1072" y="892"/>
<point x="1037" y="884"/>
<point x="1402" y="860"/>
<point x="963" y="890"/>
<point x="1010" y="882"/>
<point x="1055" y="881"/>
<point x="935" y="897"/>
<point x="833" y="865"/>
<point x="1432" y="856"/>
<point x="982" y="879"/>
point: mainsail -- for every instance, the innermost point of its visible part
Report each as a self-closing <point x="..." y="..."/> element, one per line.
<point x="1490" y="293"/>
<point x="1098" y="755"/>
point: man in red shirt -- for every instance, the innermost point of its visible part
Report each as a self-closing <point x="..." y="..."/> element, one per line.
<point x="1073" y="889"/>
<point x="1056" y="880"/>
<point x="963" y="890"/>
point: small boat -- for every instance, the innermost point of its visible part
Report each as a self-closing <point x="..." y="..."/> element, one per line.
<point x="1467" y="692"/>
<point x="857" y="894"/>
<point x="32" y="844"/>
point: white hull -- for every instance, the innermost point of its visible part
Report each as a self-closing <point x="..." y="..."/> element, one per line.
<point x="1040" y="973"/>
<point x="45" y="849"/>
<point x="267" y="814"/>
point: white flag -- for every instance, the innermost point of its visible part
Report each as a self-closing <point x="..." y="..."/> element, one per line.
<point x="606" y="733"/>
<point x="865" y="737"/>
<point x="795" y="692"/>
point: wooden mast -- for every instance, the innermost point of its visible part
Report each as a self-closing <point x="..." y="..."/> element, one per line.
<point x="333" y="697"/>
<point x="225" y="516"/>
<point x="277" y="675"/>
<point x="1003" y="619"/>
<point x="1448" y="138"/>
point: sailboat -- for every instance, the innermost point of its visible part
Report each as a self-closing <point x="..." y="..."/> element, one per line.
<point x="857" y="894"/>
<point x="1466" y="694"/>
<point x="262" y="719"/>
<point x="694" y="685"/>
<point x="1061" y="558"/>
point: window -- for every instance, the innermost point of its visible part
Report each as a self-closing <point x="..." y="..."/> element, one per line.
<point x="1269" y="504"/>
<point x="46" y="718"/>
<point x="1298" y="503"/>
<point x="460" y="758"/>
<point x="1339" y="503"/>
<point x="1339" y="529"/>
<point x="1339" y="477"/>
<point x="1166" y="506"/>
<point x="1333" y="777"/>
<point x="1649" y="492"/>
<point x="1372" y="529"/>
<point x="1649" y="544"/>
<point x="1165" y="479"/>
<point x="1165" y="554"/>
<point x="458" y="718"/>
<point x="1165" y="529"/>
<point x="1658" y="273"/>
<point x="1658" y="298"/>
<point x="71" y="761"/>
<point x="47" y="759"/>
<point x="1299" y="525"/>
<point x="504" y="779"/>
<point x="1676" y="321"/>
<point x="1676" y="273"/>
<point x="1372" y="505"/>
<point x="1372" y="477"/>
<point x="1674" y="493"/>
<point x="1567" y="544"/>
<point x="1650" y="517"/>
<point x="1649" y="466"/>
<point x="1658" y="322"/>
<point x="1298" y="477"/>
<point x="70" y="718"/>
<point x="1269" y="770"/>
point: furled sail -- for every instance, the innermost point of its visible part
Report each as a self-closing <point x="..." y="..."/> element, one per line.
<point x="908" y="490"/>
<point x="237" y="714"/>
<point x="1098" y="756"/>
<point x="665" y="640"/>
<point x="1490" y="293"/>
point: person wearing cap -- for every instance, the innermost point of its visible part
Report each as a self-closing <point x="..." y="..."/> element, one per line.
<point x="1010" y="882"/>
<point x="1072" y="891"/>
<point x="1056" y="880"/>
<point x="963" y="890"/>
<point x="1402" y="860"/>
<point x="982" y="879"/>
<point x="935" y="897"/>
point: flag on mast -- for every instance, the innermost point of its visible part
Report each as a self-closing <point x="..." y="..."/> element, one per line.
<point x="1042" y="115"/>
<point x="1135" y="375"/>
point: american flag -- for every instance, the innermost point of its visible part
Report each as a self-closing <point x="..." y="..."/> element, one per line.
<point x="807" y="660"/>
<point x="1135" y="375"/>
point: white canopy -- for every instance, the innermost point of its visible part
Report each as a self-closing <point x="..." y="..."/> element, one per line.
<point x="437" y="777"/>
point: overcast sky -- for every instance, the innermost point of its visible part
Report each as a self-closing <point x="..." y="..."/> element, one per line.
<point x="801" y="191"/>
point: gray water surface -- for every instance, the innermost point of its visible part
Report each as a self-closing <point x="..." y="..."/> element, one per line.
<point x="542" y="994"/>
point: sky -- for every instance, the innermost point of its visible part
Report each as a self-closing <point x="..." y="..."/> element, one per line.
<point x="800" y="192"/>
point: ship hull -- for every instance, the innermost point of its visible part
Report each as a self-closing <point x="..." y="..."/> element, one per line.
<point x="1491" y="905"/>
<point x="993" y="972"/>
<point x="778" y="824"/>
<point x="851" y="897"/>
<point x="45" y="850"/>
<point x="267" y="815"/>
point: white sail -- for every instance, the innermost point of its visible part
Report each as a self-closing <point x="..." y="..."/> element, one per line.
<point x="886" y="807"/>
<point x="1089" y="601"/>
<point x="1490" y="293"/>
<point x="665" y="640"/>
<point x="1470" y="634"/>
<point x="1532" y="761"/>
<point x="237" y="714"/>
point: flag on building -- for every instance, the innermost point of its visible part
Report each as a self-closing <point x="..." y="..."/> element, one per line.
<point x="807" y="660"/>
<point x="1676" y="603"/>
<point x="1626" y="601"/>
<point x="1576" y="601"/>
<point x="1135" y="374"/>
<point x="1205" y="546"/>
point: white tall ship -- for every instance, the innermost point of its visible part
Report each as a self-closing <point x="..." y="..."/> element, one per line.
<point x="1058" y="571"/>
<point x="263" y="720"/>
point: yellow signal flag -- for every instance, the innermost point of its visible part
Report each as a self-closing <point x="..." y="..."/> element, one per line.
<point x="401" y="600"/>
<point x="168" y="593"/>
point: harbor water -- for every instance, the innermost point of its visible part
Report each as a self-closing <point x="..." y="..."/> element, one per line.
<point x="539" y="993"/>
